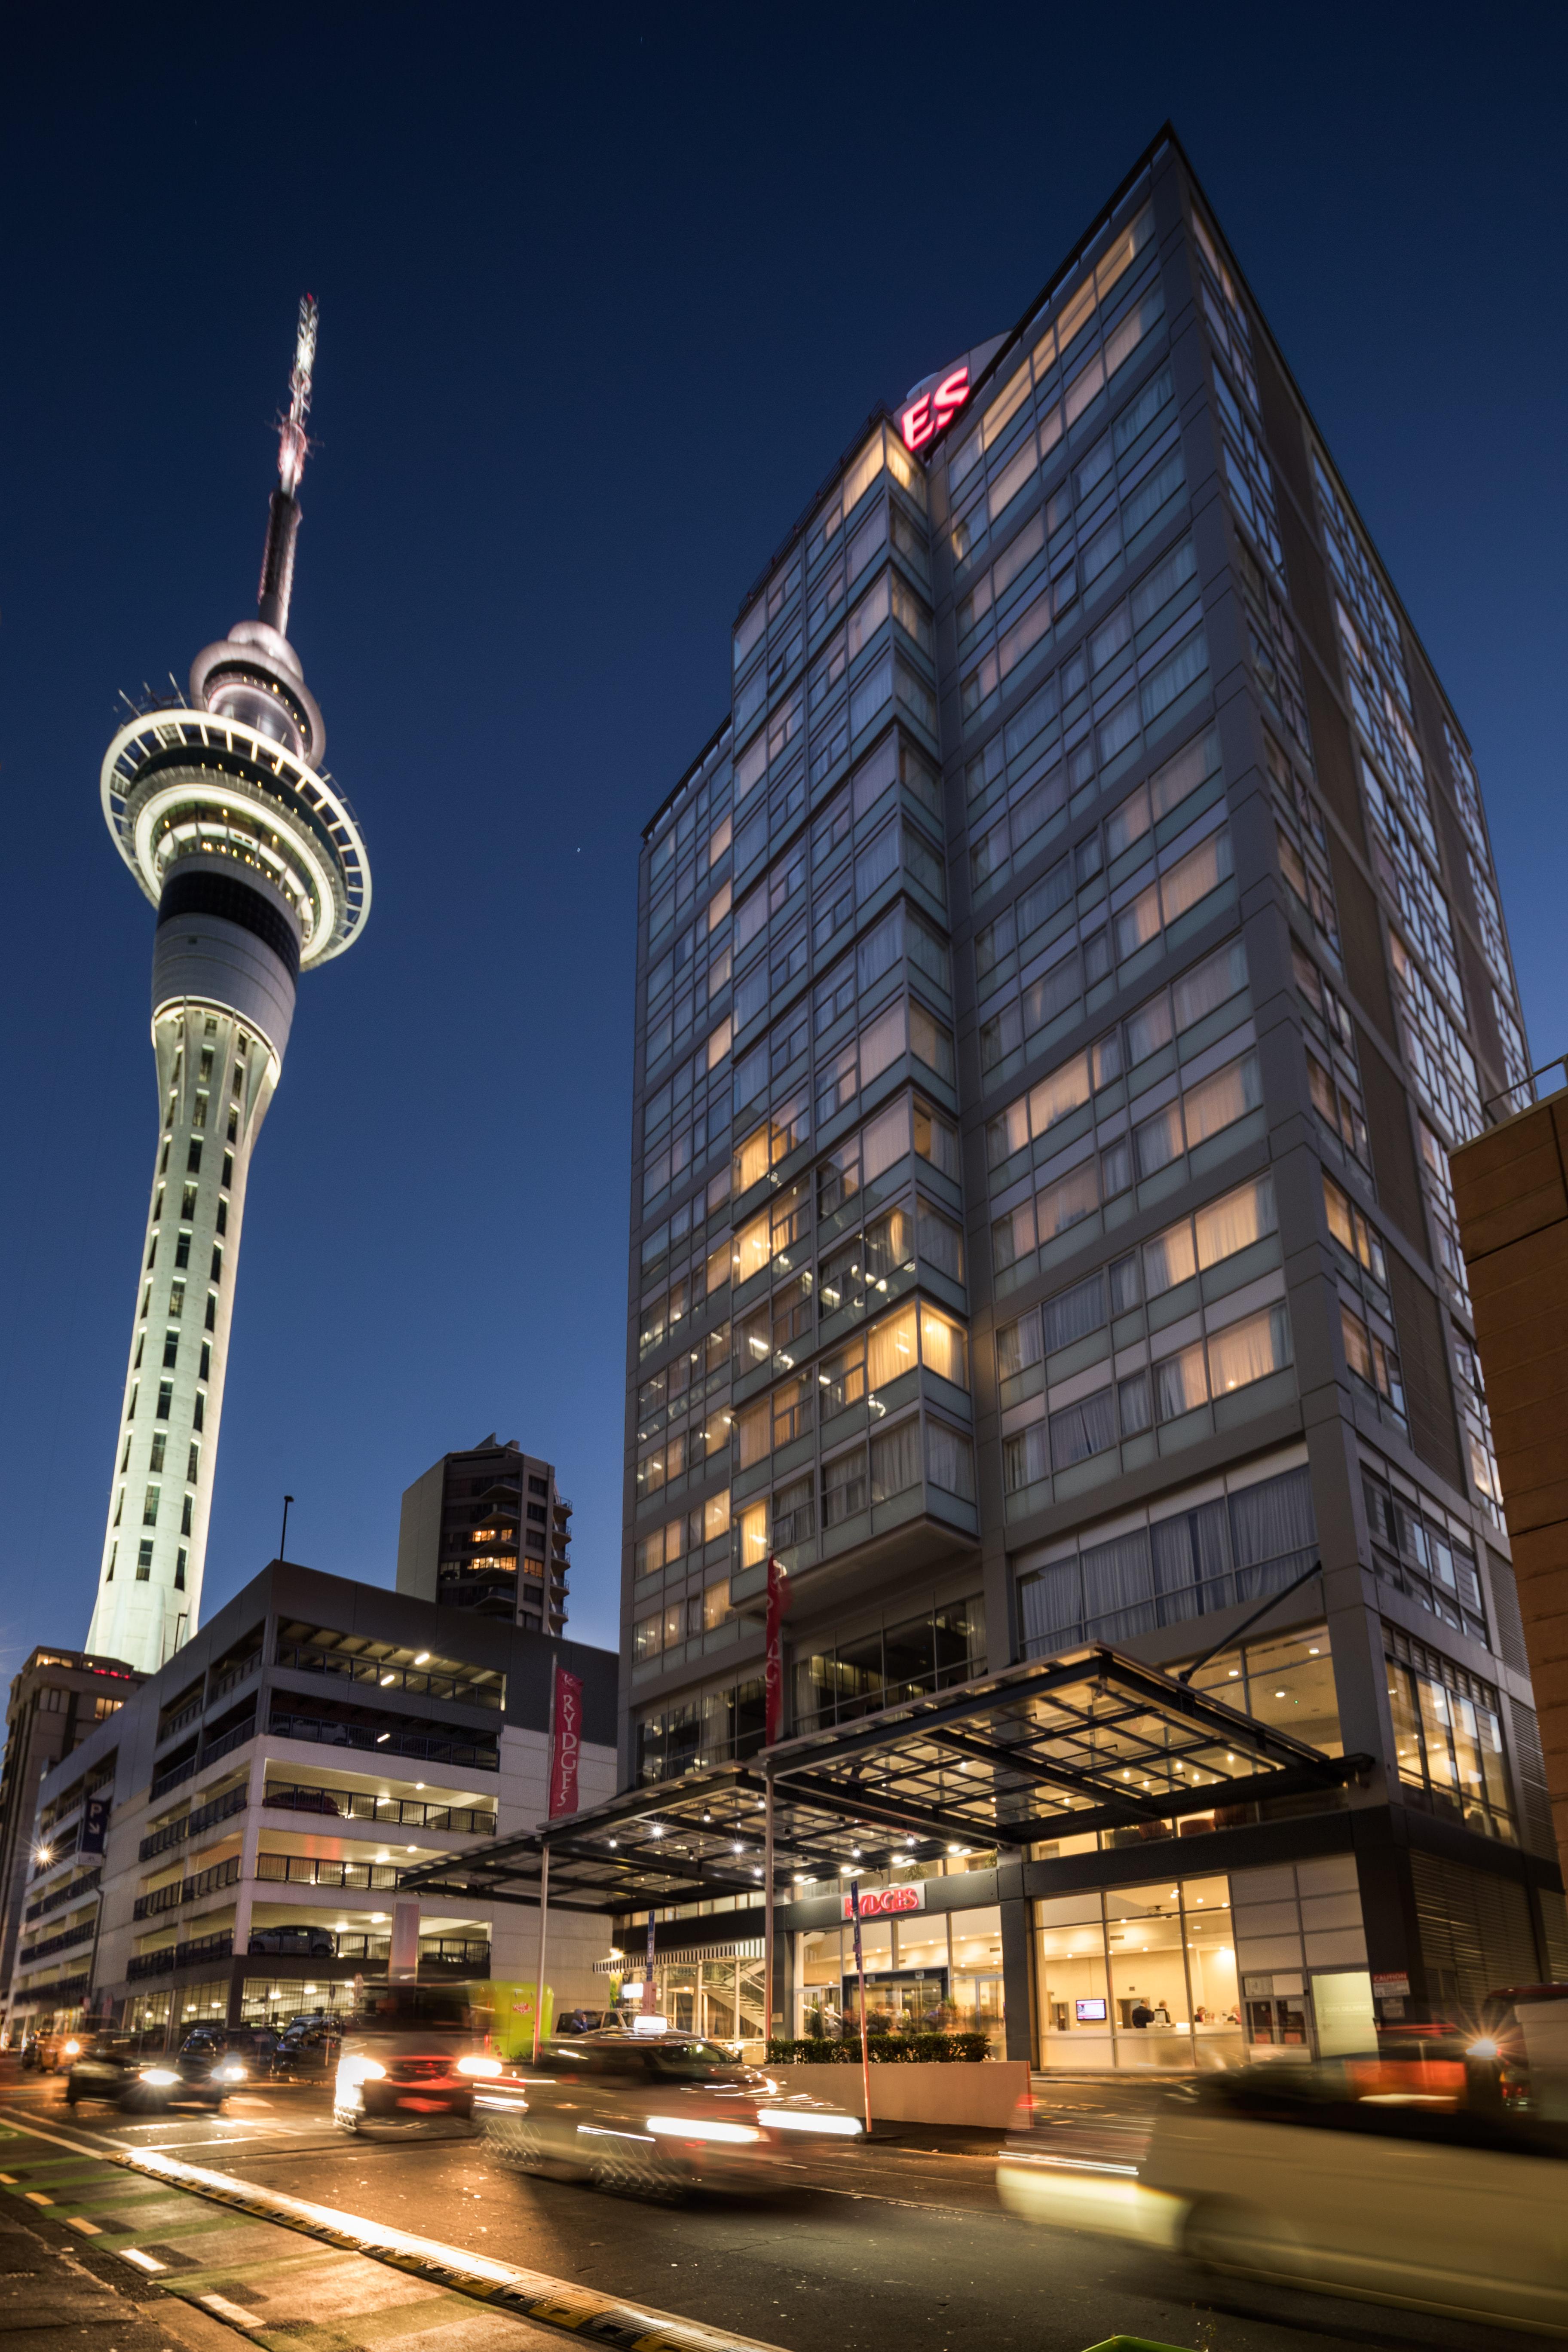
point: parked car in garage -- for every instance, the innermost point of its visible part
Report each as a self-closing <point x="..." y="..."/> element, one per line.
<point x="304" y="1942"/>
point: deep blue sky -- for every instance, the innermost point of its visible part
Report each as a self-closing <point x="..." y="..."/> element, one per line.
<point x="599" y="308"/>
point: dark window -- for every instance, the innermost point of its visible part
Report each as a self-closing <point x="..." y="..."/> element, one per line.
<point x="144" y="1562"/>
<point x="193" y="1161"/>
<point x="165" y="1395"/>
<point x="171" y="1350"/>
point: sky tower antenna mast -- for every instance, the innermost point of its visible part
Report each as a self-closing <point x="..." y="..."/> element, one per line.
<point x="293" y="448"/>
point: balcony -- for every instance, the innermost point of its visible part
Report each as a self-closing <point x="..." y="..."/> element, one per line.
<point x="345" y="1665"/>
<point x="451" y="1955"/>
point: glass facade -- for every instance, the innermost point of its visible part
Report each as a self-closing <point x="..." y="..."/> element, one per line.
<point x="1061" y="977"/>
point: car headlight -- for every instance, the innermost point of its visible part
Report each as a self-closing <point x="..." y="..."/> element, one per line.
<point x="695" y="2128"/>
<point x="71" y="2050"/>
<point x="233" y="2073"/>
<point x="1485" y="2048"/>
<point x="795" y="2119"/>
<point x="352" y="2072"/>
<point x="163" y="2078"/>
<point x="487" y="2067"/>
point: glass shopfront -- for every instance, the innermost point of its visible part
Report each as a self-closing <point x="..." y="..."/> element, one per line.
<point x="1139" y="1977"/>
<point x="927" y="1971"/>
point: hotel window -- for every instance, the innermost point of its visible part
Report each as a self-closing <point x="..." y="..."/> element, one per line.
<point x="1185" y="1561"/>
<point x="1373" y="1361"/>
<point x="1447" y="1737"/>
<point x="1139" y="687"/>
<point x="1422" y="1553"/>
<point x="908" y="1658"/>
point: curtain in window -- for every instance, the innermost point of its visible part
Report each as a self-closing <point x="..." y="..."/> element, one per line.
<point x="1168" y="1259"/>
<point x="1211" y="984"/>
<point x="1194" y="877"/>
<point x="1137" y="924"/>
<point x="895" y="1461"/>
<point x="885" y="1140"/>
<point x="1066" y="1202"/>
<point x="1053" y="1607"/>
<point x="1179" y="1382"/>
<point x="879" y="950"/>
<point x="1025" y="1458"/>
<point x="1250" y="1351"/>
<point x="844" y="1487"/>
<point x="1063" y="1091"/>
<point x="941" y="1243"/>
<point x="931" y="1042"/>
<point x="1116" y="1582"/>
<point x="1018" y="1346"/>
<point x="1158" y="1140"/>
<point x="944" y="1347"/>
<point x="1082" y="1429"/>
<point x="882" y="1040"/>
<point x="1075" y="1312"/>
<point x="950" y="1461"/>
<point x="1190" y="1552"/>
<point x="1216" y="1102"/>
<point x="1231" y="1224"/>
<point x="891" y="1347"/>
<point x="1273" y="1519"/>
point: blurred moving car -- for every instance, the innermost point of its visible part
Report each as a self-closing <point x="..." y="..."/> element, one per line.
<point x="303" y="1941"/>
<point x="114" y="2067"/>
<point x="46" y="2052"/>
<point x="307" y="2045"/>
<point x="650" y="2114"/>
<point x="1286" y="2173"/>
<point x="1517" y="2062"/>
<point x="252" y="2045"/>
<point x="408" y="2053"/>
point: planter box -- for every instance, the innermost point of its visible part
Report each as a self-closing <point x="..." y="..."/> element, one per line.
<point x="985" y="2094"/>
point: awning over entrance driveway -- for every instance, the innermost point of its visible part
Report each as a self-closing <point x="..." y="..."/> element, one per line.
<point x="1049" y="1748"/>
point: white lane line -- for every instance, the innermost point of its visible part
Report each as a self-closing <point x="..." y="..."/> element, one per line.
<point x="143" y="2262"/>
<point x="226" y="2310"/>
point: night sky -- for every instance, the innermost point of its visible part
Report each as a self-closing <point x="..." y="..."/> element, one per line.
<point x="600" y="306"/>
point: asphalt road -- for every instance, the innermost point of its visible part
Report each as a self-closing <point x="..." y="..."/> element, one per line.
<point x="896" y="2247"/>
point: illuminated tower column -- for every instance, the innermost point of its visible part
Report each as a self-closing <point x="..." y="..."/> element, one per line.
<point x="255" y="863"/>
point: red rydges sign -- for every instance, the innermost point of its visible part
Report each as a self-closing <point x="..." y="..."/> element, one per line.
<point x="882" y="1902"/>
<point x="933" y="412"/>
<point x="565" y="1742"/>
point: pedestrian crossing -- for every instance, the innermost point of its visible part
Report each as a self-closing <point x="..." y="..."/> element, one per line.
<point x="265" y="2282"/>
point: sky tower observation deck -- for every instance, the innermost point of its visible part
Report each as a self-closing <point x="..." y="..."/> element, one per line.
<point x="255" y="863"/>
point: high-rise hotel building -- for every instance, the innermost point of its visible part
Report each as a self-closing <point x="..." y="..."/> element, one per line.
<point x="1060" y="978"/>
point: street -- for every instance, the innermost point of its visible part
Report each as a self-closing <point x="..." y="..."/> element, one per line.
<point x="900" y="2246"/>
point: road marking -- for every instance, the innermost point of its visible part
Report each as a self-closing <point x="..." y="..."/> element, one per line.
<point x="226" y="2310"/>
<point x="468" y="2279"/>
<point x="79" y="2222"/>
<point x="35" y="2197"/>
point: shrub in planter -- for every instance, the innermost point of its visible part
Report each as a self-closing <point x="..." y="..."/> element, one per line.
<point x="884" y="2050"/>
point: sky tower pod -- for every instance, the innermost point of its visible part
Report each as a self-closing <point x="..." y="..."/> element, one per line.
<point x="256" y="865"/>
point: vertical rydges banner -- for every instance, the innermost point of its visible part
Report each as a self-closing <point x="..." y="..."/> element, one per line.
<point x="565" y="1742"/>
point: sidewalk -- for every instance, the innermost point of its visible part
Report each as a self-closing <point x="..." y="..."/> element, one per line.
<point x="58" y="2295"/>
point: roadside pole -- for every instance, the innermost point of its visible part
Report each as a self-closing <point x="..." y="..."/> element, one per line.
<point x="767" y="1917"/>
<point x="543" y="1914"/>
<point x="860" y="1972"/>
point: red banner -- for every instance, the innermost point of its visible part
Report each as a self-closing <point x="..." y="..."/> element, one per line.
<point x="778" y="1603"/>
<point x="565" y="1742"/>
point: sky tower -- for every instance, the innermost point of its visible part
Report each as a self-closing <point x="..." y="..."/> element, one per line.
<point x="254" y="862"/>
